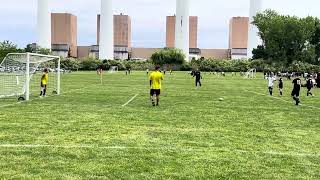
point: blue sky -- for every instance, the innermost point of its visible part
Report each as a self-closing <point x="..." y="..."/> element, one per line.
<point x="18" y="18"/>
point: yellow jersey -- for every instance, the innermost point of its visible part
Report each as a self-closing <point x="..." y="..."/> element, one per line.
<point x="45" y="79"/>
<point x="156" y="77"/>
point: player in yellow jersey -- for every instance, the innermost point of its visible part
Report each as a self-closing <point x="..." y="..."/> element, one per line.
<point x="44" y="82"/>
<point x="155" y="85"/>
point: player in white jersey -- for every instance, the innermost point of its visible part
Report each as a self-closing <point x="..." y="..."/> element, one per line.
<point x="271" y="80"/>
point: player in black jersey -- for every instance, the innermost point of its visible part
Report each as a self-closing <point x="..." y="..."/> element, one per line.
<point x="198" y="76"/>
<point x="309" y="85"/>
<point x="280" y="86"/>
<point x="296" y="90"/>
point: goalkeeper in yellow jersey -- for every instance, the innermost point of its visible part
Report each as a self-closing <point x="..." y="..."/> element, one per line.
<point x="44" y="82"/>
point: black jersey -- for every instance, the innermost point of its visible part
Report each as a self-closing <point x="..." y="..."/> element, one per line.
<point x="197" y="74"/>
<point x="280" y="83"/>
<point x="296" y="83"/>
<point x="309" y="83"/>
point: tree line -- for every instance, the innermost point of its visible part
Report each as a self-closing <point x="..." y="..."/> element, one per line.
<point x="287" y="39"/>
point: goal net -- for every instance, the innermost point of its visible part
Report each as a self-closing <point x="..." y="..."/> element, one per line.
<point x="113" y="69"/>
<point x="251" y="73"/>
<point x="20" y="75"/>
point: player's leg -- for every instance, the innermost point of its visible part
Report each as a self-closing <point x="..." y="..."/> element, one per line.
<point x="152" y="97"/>
<point x="200" y="83"/>
<point x="44" y="90"/>
<point x="297" y="95"/>
<point x="309" y="92"/>
<point x="270" y="91"/>
<point x="280" y="89"/>
<point x="293" y="95"/>
<point x="158" y="96"/>
<point x="41" y="92"/>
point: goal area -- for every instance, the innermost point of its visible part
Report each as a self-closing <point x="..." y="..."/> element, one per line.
<point x="20" y="75"/>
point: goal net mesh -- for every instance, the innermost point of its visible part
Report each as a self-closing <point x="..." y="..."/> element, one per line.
<point x="113" y="69"/>
<point x="251" y="73"/>
<point x="13" y="74"/>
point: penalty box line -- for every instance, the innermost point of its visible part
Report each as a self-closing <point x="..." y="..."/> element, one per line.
<point x="261" y="94"/>
<point x="130" y="100"/>
<point x="190" y="149"/>
<point x="62" y="94"/>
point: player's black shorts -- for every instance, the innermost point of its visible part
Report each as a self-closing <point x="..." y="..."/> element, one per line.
<point x="295" y="92"/>
<point x="155" y="92"/>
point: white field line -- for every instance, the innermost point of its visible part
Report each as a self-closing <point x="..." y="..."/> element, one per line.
<point x="130" y="100"/>
<point x="314" y="107"/>
<point x="62" y="94"/>
<point x="8" y="105"/>
<point x="34" y="146"/>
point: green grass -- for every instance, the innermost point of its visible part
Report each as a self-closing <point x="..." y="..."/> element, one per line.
<point x="86" y="133"/>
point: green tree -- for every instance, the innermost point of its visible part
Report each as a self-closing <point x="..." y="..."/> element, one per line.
<point x="8" y="47"/>
<point x="286" y="38"/>
<point x="168" y="57"/>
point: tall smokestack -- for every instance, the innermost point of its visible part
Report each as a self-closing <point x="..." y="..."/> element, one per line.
<point x="43" y="25"/>
<point x="182" y="26"/>
<point x="253" y="38"/>
<point x="106" y="48"/>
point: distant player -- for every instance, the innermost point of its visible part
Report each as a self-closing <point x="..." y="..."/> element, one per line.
<point x="309" y="85"/>
<point x="197" y="75"/>
<point x="296" y="90"/>
<point x="155" y="86"/>
<point x="280" y="86"/>
<point x="99" y="70"/>
<point x="44" y="82"/>
<point x="270" y="79"/>
<point x="100" y="73"/>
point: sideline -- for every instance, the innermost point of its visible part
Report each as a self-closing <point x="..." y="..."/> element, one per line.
<point x="62" y="94"/>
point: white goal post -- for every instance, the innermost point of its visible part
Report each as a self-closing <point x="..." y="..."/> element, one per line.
<point x="251" y="73"/>
<point x="20" y="74"/>
<point x="113" y="69"/>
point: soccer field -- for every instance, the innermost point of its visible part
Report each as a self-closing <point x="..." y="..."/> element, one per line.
<point x="111" y="131"/>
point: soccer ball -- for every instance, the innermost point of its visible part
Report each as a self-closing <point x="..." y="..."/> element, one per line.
<point x="221" y="99"/>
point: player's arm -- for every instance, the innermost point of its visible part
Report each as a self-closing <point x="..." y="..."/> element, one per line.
<point x="150" y="79"/>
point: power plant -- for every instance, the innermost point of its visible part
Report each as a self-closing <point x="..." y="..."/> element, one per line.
<point x="181" y="33"/>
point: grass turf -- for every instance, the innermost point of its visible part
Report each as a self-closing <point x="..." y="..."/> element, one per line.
<point x="86" y="133"/>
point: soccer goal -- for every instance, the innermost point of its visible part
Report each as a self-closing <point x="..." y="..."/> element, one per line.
<point x="251" y="73"/>
<point x="113" y="69"/>
<point x="20" y="75"/>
